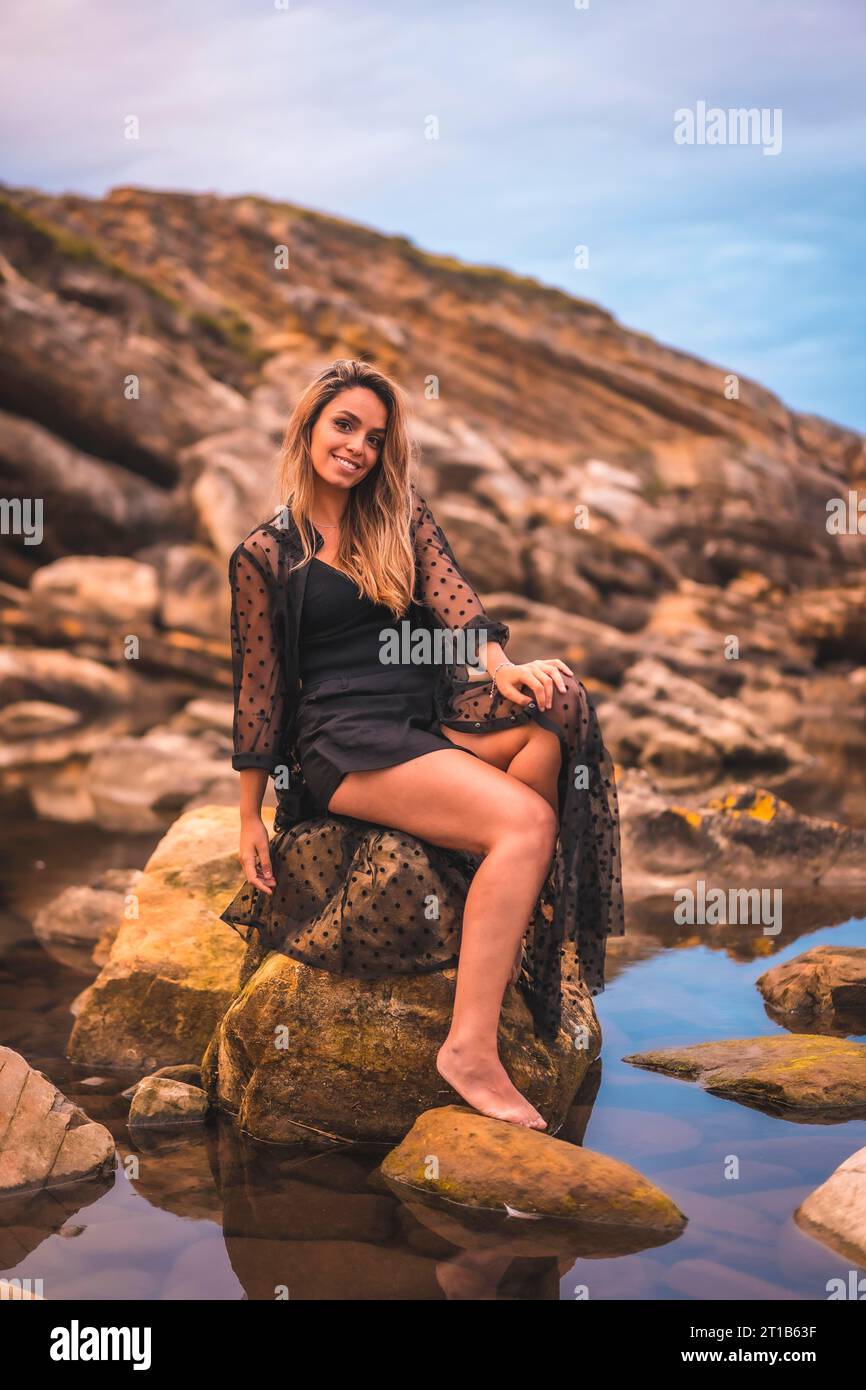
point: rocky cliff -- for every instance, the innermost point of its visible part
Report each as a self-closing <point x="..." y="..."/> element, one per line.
<point x="151" y="348"/>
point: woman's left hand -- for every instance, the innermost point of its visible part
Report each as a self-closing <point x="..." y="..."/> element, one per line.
<point x="538" y="677"/>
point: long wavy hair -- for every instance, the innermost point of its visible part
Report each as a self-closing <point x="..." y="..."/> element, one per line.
<point x="374" y="548"/>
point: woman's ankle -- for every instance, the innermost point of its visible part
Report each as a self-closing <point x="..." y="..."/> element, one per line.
<point x="465" y="1048"/>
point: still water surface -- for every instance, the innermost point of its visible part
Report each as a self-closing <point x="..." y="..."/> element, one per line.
<point x="217" y="1216"/>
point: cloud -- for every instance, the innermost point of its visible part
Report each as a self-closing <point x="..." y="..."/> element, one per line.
<point x="555" y="128"/>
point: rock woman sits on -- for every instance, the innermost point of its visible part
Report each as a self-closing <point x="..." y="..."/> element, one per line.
<point x="371" y="684"/>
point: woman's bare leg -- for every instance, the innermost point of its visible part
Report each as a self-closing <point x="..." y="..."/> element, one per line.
<point x="459" y="802"/>
<point x="528" y="752"/>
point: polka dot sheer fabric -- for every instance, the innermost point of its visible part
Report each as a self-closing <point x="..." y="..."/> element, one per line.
<point x="354" y="897"/>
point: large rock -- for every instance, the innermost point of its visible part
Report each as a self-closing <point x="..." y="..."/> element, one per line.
<point x="57" y="704"/>
<point x="467" y="1160"/>
<point x="94" y="504"/>
<point x="230" y="480"/>
<point x="162" y="1102"/>
<point x="78" y="926"/>
<point x="822" y="990"/>
<point x="68" y="362"/>
<point x="173" y="970"/>
<point x="479" y="536"/>
<point x="45" y="1140"/>
<point x="804" y="1078"/>
<point x="674" y="728"/>
<point x="195" y="592"/>
<point x="303" y="1052"/>
<point x="104" y="586"/>
<point x="141" y="784"/>
<point x="747" y="837"/>
<point x="835" y="1212"/>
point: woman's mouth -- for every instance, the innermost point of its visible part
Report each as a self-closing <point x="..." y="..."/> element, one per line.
<point x="347" y="464"/>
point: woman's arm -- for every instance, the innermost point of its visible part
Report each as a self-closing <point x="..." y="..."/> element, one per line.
<point x="259" y="696"/>
<point x="446" y="591"/>
<point x="254" y="849"/>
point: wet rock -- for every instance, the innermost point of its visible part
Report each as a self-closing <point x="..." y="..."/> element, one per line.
<point x="302" y="1051"/>
<point x="185" y="1071"/>
<point x="471" y="1161"/>
<point x="747" y="837"/>
<point x="823" y="989"/>
<point x="30" y="719"/>
<point x="45" y="1140"/>
<point x="804" y="1078"/>
<point x="174" y="970"/>
<point x="160" y="1101"/>
<point x="835" y="1212"/>
<point x="86" y="915"/>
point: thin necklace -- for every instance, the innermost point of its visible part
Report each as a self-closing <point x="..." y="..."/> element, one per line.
<point x="328" y="525"/>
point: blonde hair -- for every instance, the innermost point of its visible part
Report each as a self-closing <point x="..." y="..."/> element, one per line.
<point x="374" y="549"/>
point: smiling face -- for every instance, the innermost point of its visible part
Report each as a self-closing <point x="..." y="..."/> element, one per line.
<point x="347" y="439"/>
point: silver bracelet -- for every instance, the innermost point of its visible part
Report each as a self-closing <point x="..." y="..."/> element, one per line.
<point x="496" y="668"/>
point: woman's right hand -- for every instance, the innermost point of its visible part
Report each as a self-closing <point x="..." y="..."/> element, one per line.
<point x="255" y="855"/>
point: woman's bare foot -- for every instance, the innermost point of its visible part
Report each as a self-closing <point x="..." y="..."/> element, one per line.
<point x="486" y="1086"/>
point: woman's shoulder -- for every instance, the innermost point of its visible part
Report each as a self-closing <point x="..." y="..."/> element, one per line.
<point x="418" y="507"/>
<point x="266" y="541"/>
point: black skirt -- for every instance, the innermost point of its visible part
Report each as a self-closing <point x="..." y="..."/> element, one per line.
<point x="356" y="723"/>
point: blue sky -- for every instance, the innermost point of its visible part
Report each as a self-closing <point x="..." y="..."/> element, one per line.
<point x="555" y="130"/>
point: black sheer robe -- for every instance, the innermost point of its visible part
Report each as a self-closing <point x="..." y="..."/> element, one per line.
<point x="580" y="904"/>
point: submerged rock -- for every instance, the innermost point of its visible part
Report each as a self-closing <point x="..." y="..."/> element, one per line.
<point x="163" y="1100"/>
<point x="45" y="1140"/>
<point x="823" y="989"/>
<point x="466" y="1160"/>
<point x="835" y="1212"/>
<point x="804" y="1078"/>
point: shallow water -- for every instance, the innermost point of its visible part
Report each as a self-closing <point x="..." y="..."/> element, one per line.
<point x="216" y="1216"/>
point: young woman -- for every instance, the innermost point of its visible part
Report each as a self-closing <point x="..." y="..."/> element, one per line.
<point x="463" y="749"/>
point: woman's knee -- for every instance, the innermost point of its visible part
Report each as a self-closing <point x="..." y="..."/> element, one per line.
<point x="570" y="707"/>
<point x="527" y="817"/>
